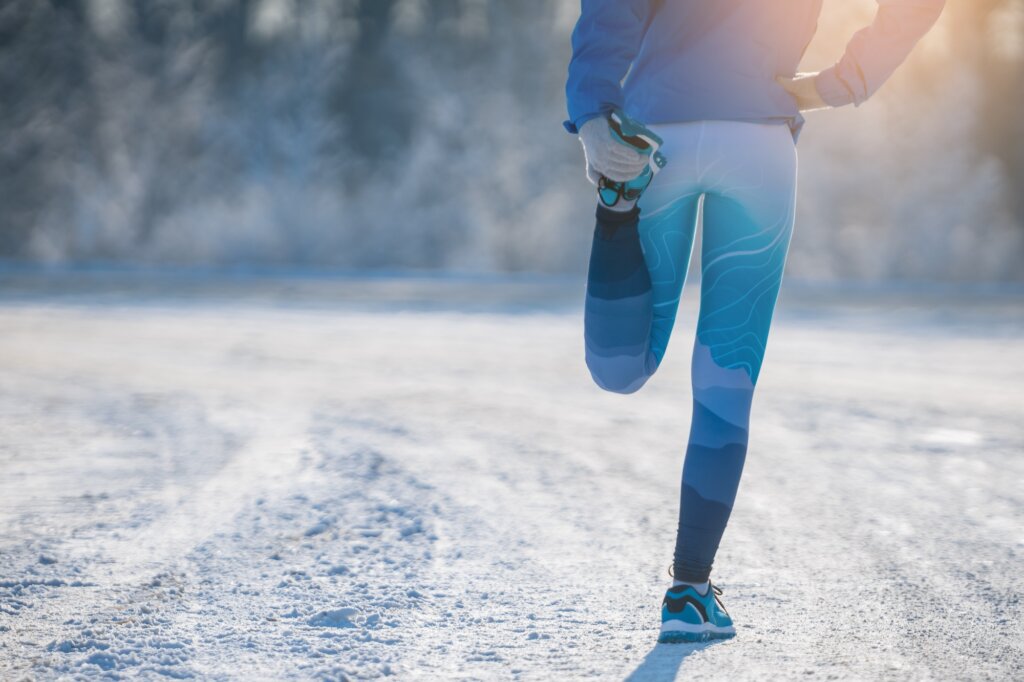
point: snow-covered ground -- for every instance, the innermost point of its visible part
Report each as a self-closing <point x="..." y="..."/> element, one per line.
<point x="321" y="478"/>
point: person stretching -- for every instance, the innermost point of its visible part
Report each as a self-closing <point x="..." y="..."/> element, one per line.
<point x="717" y="81"/>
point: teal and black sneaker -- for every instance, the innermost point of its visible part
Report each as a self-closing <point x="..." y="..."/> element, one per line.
<point x="640" y="138"/>
<point x="689" y="616"/>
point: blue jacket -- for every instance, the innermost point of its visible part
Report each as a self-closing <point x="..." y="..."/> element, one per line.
<point x="690" y="60"/>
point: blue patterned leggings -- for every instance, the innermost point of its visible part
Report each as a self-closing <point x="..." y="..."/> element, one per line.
<point x="743" y="177"/>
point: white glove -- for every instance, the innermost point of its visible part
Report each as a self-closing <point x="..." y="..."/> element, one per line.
<point x="607" y="156"/>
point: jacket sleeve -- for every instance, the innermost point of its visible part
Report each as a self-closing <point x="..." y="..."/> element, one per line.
<point x="605" y="41"/>
<point x="876" y="51"/>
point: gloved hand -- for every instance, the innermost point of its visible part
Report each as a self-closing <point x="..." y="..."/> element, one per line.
<point x="607" y="156"/>
<point x="803" y="88"/>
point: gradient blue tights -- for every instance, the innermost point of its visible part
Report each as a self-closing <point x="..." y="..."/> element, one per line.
<point x="743" y="176"/>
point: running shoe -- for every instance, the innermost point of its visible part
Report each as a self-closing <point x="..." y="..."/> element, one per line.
<point x="689" y="616"/>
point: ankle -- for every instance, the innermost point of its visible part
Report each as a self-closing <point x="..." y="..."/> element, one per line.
<point x="701" y="588"/>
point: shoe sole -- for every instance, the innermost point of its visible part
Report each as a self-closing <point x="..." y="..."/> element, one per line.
<point x="703" y="634"/>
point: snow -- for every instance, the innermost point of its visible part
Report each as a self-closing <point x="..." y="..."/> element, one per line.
<point x="345" y="478"/>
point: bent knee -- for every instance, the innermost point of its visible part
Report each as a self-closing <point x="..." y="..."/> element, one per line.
<point x="619" y="374"/>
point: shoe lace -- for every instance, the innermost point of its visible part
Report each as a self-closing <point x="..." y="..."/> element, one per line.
<point x="718" y="597"/>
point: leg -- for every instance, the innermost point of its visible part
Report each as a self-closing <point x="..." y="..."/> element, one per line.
<point x="637" y="268"/>
<point x="617" y="313"/>
<point x="747" y="229"/>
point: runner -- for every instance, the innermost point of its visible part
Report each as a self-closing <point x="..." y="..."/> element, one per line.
<point x="713" y="86"/>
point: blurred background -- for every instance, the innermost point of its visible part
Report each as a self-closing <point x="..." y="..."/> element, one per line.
<point x="425" y="135"/>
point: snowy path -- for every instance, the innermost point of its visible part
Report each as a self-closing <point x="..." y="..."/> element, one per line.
<point x="322" y="485"/>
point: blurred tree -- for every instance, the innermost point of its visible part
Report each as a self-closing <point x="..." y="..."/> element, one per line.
<point x="980" y="32"/>
<point x="47" y="117"/>
<point x="374" y="100"/>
